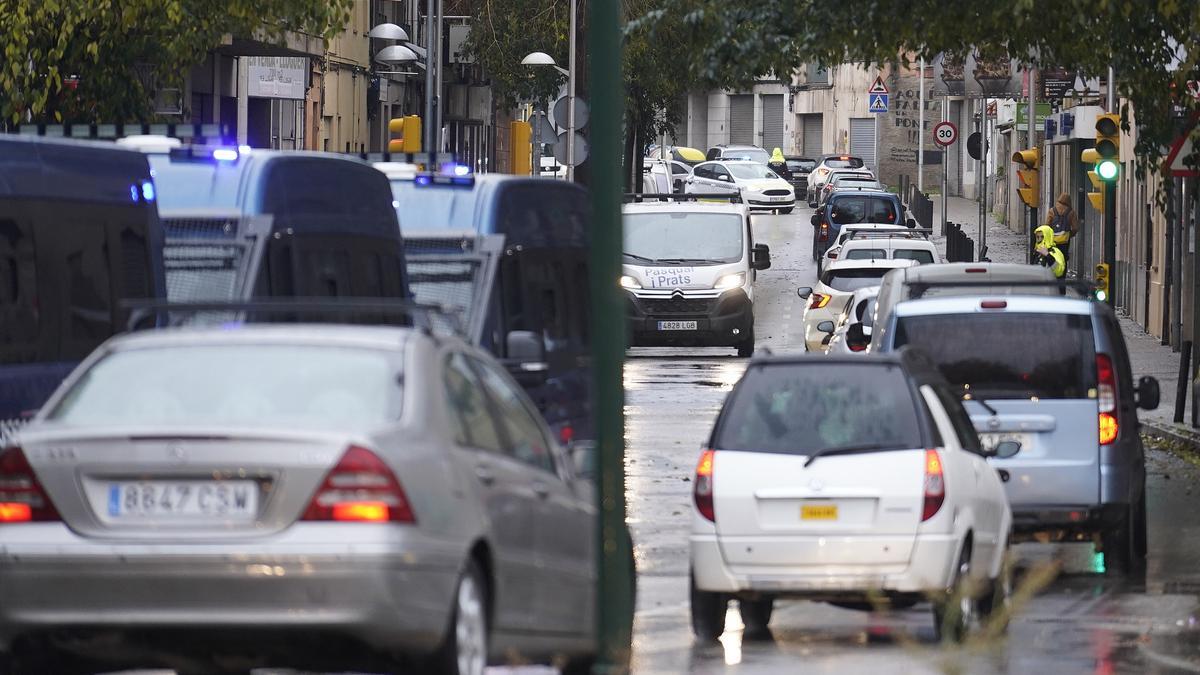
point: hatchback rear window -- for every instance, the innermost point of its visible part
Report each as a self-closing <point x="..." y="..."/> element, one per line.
<point x="921" y="256"/>
<point x="848" y="163"/>
<point x="801" y="165"/>
<point x="1008" y="354"/>
<point x="863" y="209"/>
<point x="796" y="409"/>
<point x="866" y="254"/>
<point x="853" y="279"/>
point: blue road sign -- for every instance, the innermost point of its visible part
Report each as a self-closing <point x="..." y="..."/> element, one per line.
<point x="877" y="103"/>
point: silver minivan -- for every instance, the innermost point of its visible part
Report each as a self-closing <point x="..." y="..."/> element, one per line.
<point x="1052" y="373"/>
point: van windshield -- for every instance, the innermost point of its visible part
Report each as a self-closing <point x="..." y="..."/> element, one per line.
<point x="1009" y="354"/>
<point x="682" y="236"/>
<point x="798" y="409"/>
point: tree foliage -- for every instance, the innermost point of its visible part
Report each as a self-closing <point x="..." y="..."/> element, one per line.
<point x="1152" y="44"/>
<point x="107" y="43"/>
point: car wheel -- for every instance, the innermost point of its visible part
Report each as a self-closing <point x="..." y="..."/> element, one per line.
<point x="812" y="204"/>
<point x="787" y="211"/>
<point x="745" y="348"/>
<point x="708" y="613"/>
<point x="464" y="649"/>
<point x="1118" y="542"/>
<point x="957" y="614"/>
<point x="756" y="614"/>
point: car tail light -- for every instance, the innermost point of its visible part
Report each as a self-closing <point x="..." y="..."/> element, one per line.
<point x="1106" y="391"/>
<point x="823" y="234"/>
<point x="703" y="487"/>
<point x="361" y="488"/>
<point x="832" y="255"/>
<point x="819" y="300"/>
<point x="856" y="347"/>
<point x="22" y="497"/>
<point x="935" y="485"/>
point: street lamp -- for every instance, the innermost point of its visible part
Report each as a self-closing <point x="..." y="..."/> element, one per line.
<point x="388" y="31"/>
<point x="541" y="59"/>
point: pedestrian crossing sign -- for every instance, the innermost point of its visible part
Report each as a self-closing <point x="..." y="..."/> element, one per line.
<point x="877" y="103"/>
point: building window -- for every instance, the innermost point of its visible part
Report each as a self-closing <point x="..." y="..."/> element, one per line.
<point x="817" y="74"/>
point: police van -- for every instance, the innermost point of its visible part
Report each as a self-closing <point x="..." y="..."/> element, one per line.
<point x="688" y="274"/>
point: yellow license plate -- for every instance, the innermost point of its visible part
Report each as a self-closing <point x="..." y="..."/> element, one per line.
<point x="818" y="512"/>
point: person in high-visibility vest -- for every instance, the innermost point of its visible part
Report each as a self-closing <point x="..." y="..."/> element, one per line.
<point x="1047" y="253"/>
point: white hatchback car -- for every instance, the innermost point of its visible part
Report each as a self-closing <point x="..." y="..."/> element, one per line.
<point x="835" y="285"/>
<point x="849" y="335"/>
<point x="852" y="480"/>
<point x="890" y="247"/>
<point x="761" y="188"/>
<point x="857" y="230"/>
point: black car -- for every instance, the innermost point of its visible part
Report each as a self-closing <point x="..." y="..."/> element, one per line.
<point x="795" y="170"/>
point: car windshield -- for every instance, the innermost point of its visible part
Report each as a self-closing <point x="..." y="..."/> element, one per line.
<point x="750" y="170"/>
<point x="844" y="163"/>
<point x="796" y="409"/>
<point x="258" y="385"/>
<point x="849" y="280"/>
<point x="921" y="256"/>
<point x="752" y="154"/>
<point x="681" y="235"/>
<point x="1008" y="355"/>
<point x="863" y="209"/>
<point x="801" y="165"/>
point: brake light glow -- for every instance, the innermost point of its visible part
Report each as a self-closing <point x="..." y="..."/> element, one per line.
<point x="22" y="497"/>
<point x="823" y="235"/>
<point x="361" y="488"/>
<point x="819" y="300"/>
<point x="703" y="486"/>
<point x="832" y="255"/>
<point x="935" y="485"/>
<point x="1106" y="394"/>
<point x="976" y="270"/>
<point x="993" y="304"/>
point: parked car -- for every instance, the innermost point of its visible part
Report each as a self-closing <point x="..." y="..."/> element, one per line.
<point x="663" y="177"/>
<point x="282" y="486"/>
<point x="751" y="153"/>
<point x="857" y="206"/>
<point x="837" y="180"/>
<point x="795" y="170"/>
<point x="1051" y="372"/>
<point x="835" y="285"/>
<point x="826" y="164"/>
<point x="846" y="480"/>
<point x="849" y="336"/>
<point x="689" y="273"/>
<point x="760" y="188"/>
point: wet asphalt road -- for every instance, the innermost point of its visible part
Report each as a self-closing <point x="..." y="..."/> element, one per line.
<point x="1082" y="622"/>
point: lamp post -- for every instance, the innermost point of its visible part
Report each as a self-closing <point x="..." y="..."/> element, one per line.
<point x="544" y="59"/>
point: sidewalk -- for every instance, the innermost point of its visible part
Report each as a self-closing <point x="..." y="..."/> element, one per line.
<point x="1146" y="352"/>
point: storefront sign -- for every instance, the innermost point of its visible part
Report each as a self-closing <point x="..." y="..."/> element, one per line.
<point x="277" y="76"/>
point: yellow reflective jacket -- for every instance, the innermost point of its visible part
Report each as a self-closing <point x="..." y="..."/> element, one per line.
<point x="1052" y="256"/>
<point x="777" y="157"/>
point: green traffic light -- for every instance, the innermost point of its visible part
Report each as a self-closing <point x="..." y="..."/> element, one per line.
<point x="1107" y="170"/>
<point x="1101" y="295"/>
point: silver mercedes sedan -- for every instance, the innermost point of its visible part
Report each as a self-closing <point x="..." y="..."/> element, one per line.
<point x="300" y="495"/>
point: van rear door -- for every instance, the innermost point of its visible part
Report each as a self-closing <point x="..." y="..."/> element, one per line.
<point x="1037" y="371"/>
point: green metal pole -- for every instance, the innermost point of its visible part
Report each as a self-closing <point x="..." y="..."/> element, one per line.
<point x="615" y="586"/>
<point x="1110" y="238"/>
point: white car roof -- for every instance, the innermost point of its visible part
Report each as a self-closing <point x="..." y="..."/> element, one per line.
<point x="374" y="337"/>
<point x="841" y="264"/>
<point x="914" y="241"/>
<point x="684" y="207"/>
<point x="969" y="304"/>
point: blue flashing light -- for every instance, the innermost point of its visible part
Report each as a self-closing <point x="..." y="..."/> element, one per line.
<point x="232" y="325"/>
<point x="424" y="180"/>
<point x="460" y="170"/>
<point x="225" y="155"/>
<point x="148" y="191"/>
<point x="244" y="149"/>
<point x="133" y="193"/>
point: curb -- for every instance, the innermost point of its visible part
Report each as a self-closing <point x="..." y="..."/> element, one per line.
<point x="1173" y="433"/>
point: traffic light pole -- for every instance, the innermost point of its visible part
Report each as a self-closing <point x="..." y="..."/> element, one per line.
<point x="1110" y="239"/>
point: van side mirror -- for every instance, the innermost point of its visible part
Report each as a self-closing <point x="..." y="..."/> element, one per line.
<point x="1003" y="450"/>
<point x="804" y="292"/>
<point x="826" y="326"/>
<point x="525" y="346"/>
<point x="760" y="257"/>
<point x="1148" y="393"/>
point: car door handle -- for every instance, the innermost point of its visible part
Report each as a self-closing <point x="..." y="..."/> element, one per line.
<point x="541" y="490"/>
<point x="484" y="474"/>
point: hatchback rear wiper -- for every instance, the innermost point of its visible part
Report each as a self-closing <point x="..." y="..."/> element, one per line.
<point x="850" y="450"/>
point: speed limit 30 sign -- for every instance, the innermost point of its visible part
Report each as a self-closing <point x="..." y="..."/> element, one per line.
<point x="945" y="133"/>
